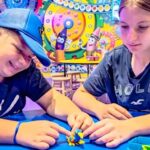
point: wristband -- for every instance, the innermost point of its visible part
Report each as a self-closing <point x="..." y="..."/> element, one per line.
<point x="16" y="131"/>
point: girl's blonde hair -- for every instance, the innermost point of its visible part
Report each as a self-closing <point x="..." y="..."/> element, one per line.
<point x="143" y="4"/>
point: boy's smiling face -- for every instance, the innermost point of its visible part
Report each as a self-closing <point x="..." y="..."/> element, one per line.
<point x="15" y="55"/>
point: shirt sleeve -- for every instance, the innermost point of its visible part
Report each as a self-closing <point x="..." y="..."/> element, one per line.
<point x="36" y="85"/>
<point x="100" y="77"/>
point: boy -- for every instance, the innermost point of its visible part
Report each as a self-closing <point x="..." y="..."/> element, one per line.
<point x="20" y="41"/>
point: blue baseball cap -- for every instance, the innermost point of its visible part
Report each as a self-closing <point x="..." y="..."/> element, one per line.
<point x="29" y="27"/>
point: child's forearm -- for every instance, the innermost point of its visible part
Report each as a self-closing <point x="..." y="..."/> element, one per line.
<point x="141" y="125"/>
<point x="7" y="130"/>
<point x="87" y="102"/>
<point x="61" y="106"/>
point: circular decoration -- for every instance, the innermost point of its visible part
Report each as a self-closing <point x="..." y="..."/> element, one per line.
<point x="107" y="7"/>
<point x="101" y="8"/>
<point x="108" y="39"/>
<point x="78" y="24"/>
<point x="88" y="7"/>
<point x="82" y="7"/>
<point x="33" y="4"/>
<point x="68" y="23"/>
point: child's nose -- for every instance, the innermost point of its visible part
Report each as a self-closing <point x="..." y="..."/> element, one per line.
<point x="132" y="35"/>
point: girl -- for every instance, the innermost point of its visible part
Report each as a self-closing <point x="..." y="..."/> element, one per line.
<point x="124" y="75"/>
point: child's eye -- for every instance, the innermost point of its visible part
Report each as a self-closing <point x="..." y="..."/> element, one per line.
<point x="124" y="27"/>
<point x="29" y="57"/>
<point x="142" y="28"/>
<point x="19" y="52"/>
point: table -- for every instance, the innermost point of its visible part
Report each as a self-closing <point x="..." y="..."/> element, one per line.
<point x="76" y="61"/>
<point x="62" y="145"/>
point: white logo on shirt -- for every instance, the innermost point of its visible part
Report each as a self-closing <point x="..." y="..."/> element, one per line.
<point x="1" y="104"/>
<point x="11" y="105"/>
<point x="138" y="102"/>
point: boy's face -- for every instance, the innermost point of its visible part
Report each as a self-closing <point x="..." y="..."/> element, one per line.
<point x="15" y="56"/>
<point x="135" y="29"/>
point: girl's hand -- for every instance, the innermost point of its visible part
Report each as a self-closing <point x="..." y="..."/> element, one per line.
<point x="79" y="120"/>
<point x="110" y="132"/>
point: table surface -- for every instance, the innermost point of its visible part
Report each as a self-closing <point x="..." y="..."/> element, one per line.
<point x="61" y="143"/>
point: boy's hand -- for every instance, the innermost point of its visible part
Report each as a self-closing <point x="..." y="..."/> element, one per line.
<point x="79" y="120"/>
<point x="113" y="111"/>
<point x="39" y="134"/>
<point x="110" y="132"/>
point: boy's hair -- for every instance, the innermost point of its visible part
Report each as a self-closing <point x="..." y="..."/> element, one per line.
<point x="143" y="4"/>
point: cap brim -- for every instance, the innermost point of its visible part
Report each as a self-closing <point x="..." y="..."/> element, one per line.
<point x="36" y="48"/>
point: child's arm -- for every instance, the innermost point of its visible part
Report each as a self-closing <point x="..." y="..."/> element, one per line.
<point x="88" y="103"/>
<point x="7" y="130"/>
<point x="35" y="134"/>
<point x="114" y="132"/>
<point x="141" y="125"/>
<point x="60" y="106"/>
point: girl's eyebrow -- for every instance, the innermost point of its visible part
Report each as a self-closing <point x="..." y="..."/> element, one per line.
<point x="122" y="22"/>
<point x="143" y="21"/>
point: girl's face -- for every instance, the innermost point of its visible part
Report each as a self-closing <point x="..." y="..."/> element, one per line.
<point x="135" y="29"/>
<point x="15" y="56"/>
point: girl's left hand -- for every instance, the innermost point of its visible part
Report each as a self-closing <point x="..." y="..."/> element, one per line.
<point x="110" y="132"/>
<point x="79" y="120"/>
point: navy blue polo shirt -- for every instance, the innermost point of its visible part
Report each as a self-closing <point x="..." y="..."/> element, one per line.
<point x="13" y="90"/>
<point x="115" y="77"/>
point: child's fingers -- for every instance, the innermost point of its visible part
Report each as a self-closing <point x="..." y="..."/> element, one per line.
<point x="80" y="121"/>
<point x="116" y="114"/>
<point x="52" y="133"/>
<point x="123" y="111"/>
<point x="77" y="124"/>
<point x="93" y="128"/>
<point x="49" y="140"/>
<point x="64" y="131"/>
<point x="87" y="123"/>
<point x="75" y="121"/>
<point x="41" y="145"/>
<point x="60" y="129"/>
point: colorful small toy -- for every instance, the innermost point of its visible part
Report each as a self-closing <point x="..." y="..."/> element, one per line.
<point x="76" y="138"/>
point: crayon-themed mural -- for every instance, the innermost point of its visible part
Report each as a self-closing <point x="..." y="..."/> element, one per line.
<point x="88" y="28"/>
<point x="74" y="30"/>
<point x="79" y="30"/>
